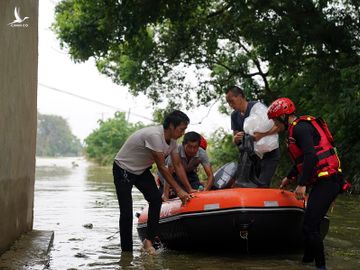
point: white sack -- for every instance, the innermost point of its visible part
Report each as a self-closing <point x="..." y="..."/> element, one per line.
<point x="258" y="121"/>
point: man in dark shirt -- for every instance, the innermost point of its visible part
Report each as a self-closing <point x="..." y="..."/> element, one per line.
<point x="316" y="165"/>
<point x="236" y="99"/>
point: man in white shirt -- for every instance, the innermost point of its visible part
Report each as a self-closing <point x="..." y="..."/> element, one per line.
<point x="132" y="167"/>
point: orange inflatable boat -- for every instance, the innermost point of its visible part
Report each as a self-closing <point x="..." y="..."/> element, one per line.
<point x="240" y="218"/>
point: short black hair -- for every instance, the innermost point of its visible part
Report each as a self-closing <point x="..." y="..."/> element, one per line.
<point x="235" y="90"/>
<point x="191" y="136"/>
<point x="176" y="118"/>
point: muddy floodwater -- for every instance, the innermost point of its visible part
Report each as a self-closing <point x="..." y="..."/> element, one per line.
<point x="77" y="200"/>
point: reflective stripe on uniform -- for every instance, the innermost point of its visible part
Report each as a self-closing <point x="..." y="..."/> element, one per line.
<point x="323" y="174"/>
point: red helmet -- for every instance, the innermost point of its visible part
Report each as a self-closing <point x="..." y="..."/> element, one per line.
<point x="203" y="143"/>
<point x="280" y="107"/>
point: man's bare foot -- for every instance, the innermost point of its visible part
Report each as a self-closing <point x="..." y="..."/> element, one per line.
<point x="148" y="247"/>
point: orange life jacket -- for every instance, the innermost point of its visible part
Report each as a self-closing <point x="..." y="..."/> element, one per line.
<point x="328" y="162"/>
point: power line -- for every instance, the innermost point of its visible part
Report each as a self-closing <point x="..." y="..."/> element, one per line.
<point x="207" y="114"/>
<point x="91" y="100"/>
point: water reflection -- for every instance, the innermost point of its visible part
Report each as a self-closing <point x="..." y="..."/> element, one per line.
<point x="77" y="200"/>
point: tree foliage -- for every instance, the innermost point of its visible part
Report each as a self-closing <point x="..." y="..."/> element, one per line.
<point x="103" y="143"/>
<point x="54" y="137"/>
<point x="307" y="50"/>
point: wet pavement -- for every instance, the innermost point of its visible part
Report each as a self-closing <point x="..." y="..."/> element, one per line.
<point x="30" y="251"/>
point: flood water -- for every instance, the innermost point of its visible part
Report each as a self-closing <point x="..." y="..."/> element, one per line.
<point x="77" y="200"/>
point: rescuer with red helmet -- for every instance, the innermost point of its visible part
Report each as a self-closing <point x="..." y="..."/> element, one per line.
<point x="316" y="166"/>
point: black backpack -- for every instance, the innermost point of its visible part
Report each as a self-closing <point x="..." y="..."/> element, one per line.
<point x="248" y="165"/>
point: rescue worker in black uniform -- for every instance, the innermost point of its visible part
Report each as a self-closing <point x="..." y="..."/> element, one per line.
<point x="316" y="166"/>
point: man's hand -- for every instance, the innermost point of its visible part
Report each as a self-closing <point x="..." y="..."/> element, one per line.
<point x="300" y="192"/>
<point x="184" y="196"/>
<point x="193" y="190"/>
<point x="258" y="136"/>
<point x="284" y="183"/>
<point x="238" y="137"/>
<point x="164" y="197"/>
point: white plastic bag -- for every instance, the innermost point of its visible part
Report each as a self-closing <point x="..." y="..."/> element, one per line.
<point x="258" y="121"/>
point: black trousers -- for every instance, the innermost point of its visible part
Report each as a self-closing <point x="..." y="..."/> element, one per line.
<point x="322" y="194"/>
<point x="268" y="166"/>
<point x="145" y="182"/>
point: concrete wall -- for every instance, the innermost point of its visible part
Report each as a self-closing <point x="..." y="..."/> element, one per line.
<point x="18" y="96"/>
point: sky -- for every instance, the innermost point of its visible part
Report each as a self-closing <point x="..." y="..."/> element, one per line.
<point x="82" y="95"/>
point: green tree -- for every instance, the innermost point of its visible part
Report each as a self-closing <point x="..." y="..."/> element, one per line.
<point x="307" y="50"/>
<point x="103" y="143"/>
<point x="54" y="137"/>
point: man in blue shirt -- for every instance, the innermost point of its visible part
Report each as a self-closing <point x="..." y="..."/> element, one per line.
<point x="236" y="99"/>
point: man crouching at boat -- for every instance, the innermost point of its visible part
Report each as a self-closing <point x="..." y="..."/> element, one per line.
<point x="192" y="152"/>
<point x="132" y="167"/>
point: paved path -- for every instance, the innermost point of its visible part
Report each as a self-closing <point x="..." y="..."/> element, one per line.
<point x="30" y="251"/>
